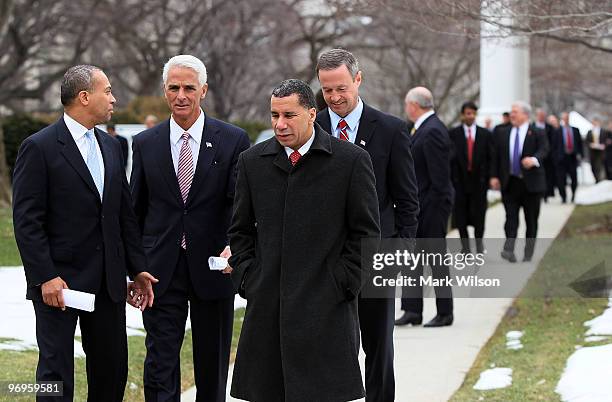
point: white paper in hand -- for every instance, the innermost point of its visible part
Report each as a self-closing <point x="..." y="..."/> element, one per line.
<point x="79" y="300"/>
<point x="217" y="263"/>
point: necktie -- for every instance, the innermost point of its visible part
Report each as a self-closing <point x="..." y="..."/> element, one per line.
<point x="516" y="154"/>
<point x="342" y="125"/>
<point x="185" y="174"/>
<point x="294" y="157"/>
<point x="470" y="149"/>
<point x="569" y="143"/>
<point x="93" y="163"/>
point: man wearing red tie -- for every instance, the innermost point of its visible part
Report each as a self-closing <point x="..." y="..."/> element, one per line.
<point x="517" y="171"/>
<point x="470" y="168"/>
<point x="568" y="156"/>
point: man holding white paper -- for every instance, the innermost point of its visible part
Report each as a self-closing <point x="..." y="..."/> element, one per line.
<point x="183" y="178"/>
<point x="76" y="229"/>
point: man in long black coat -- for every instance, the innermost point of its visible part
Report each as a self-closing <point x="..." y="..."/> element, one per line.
<point x="304" y="202"/>
<point x="567" y="153"/>
<point x="470" y="168"/>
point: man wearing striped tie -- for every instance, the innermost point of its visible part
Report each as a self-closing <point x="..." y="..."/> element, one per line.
<point x="183" y="180"/>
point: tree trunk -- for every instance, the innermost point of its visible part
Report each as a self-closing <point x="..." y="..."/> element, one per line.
<point x="5" y="183"/>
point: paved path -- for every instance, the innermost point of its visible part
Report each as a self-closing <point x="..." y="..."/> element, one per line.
<point x="431" y="363"/>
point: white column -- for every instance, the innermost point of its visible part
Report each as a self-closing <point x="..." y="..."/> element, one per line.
<point x="504" y="64"/>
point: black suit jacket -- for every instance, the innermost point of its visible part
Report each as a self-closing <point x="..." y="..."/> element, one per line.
<point x="431" y="149"/>
<point x="558" y="147"/>
<point x="387" y="140"/>
<point x="123" y="142"/>
<point x="62" y="227"/>
<point x="206" y="215"/>
<point x="478" y="180"/>
<point x="535" y="144"/>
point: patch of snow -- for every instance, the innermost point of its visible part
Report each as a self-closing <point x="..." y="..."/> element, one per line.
<point x="500" y="377"/>
<point x="595" y="194"/>
<point x="595" y="338"/>
<point x="513" y="340"/>
<point x="586" y="377"/>
<point x="601" y="325"/>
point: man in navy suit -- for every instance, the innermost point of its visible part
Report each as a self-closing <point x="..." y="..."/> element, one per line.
<point x="75" y="229"/>
<point x="518" y="171"/>
<point x="386" y="139"/>
<point x="183" y="179"/>
<point x="431" y="150"/>
<point x="567" y="150"/>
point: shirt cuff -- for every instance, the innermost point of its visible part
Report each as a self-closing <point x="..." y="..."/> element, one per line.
<point x="535" y="161"/>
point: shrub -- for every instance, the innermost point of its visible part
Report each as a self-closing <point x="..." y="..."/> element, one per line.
<point x="16" y="129"/>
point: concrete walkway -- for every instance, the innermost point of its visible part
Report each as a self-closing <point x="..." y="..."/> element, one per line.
<point x="431" y="363"/>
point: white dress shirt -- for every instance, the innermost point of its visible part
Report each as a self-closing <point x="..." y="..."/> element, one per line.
<point x="78" y="131"/>
<point x="352" y="120"/>
<point x="421" y="119"/>
<point x="195" y="138"/>
<point x="304" y="148"/>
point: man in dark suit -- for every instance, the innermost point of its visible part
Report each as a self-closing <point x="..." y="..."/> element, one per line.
<point x="431" y="150"/>
<point x="110" y="128"/>
<point x="567" y="150"/>
<point x="596" y="141"/>
<point x="75" y="229"/>
<point x="504" y="124"/>
<point x="470" y="168"/>
<point x="608" y="151"/>
<point x="549" y="163"/>
<point x="387" y="141"/>
<point x="517" y="170"/>
<point x="304" y="202"/>
<point x="183" y="179"/>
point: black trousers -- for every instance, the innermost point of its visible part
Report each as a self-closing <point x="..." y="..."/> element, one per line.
<point x="104" y="342"/>
<point x="597" y="163"/>
<point x="211" y="330"/>
<point x="514" y="198"/>
<point x="567" y="167"/>
<point x="376" y="321"/>
<point x="551" y="176"/>
<point x="470" y="209"/>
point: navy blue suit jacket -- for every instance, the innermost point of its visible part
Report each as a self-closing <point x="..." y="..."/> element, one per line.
<point x="204" y="218"/>
<point x="62" y="227"/>
<point x="387" y="140"/>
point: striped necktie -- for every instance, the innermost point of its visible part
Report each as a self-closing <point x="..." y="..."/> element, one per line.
<point x="185" y="174"/>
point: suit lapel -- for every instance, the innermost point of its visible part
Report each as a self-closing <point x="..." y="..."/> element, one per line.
<point x="164" y="160"/>
<point x="462" y="142"/>
<point x="325" y="121"/>
<point x="367" y="125"/>
<point x="107" y="157"/>
<point x="73" y="156"/>
<point x="477" y="147"/>
<point x="211" y="140"/>
<point x="506" y="150"/>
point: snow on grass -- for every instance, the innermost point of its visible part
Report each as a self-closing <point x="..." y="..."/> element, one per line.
<point x="513" y="340"/>
<point x="596" y="194"/>
<point x="499" y="377"/>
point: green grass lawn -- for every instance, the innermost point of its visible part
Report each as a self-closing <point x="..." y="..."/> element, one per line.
<point x="551" y="318"/>
<point x="21" y="366"/>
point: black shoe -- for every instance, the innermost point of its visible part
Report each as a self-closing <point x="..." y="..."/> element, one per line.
<point x="466" y="251"/>
<point x="409" y="318"/>
<point x="527" y="258"/>
<point x="440" y="320"/>
<point x="508" y="255"/>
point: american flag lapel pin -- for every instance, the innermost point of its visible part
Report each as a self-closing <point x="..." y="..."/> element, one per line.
<point x="208" y="144"/>
<point x="362" y="142"/>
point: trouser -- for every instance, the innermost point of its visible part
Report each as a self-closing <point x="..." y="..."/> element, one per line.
<point x="514" y="198"/>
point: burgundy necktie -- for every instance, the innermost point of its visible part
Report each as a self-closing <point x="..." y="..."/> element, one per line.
<point x="342" y="125"/>
<point x="185" y="174"/>
<point x="569" y="143"/>
<point x="294" y="157"/>
<point x="470" y="149"/>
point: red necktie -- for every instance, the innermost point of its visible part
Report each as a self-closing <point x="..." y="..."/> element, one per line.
<point x="185" y="174"/>
<point x="470" y="149"/>
<point x="569" y="143"/>
<point x="294" y="157"/>
<point x="342" y="125"/>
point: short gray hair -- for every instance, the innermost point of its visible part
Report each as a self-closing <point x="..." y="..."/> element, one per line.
<point x="76" y="79"/>
<point x="335" y="58"/>
<point x="421" y="96"/>
<point x="186" y="61"/>
<point x="525" y="107"/>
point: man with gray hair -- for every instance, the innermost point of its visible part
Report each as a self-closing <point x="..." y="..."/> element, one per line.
<point x="431" y="150"/>
<point x="75" y="229"/>
<point x="183" y="179"/>
<point x="386" y="139"/>
<point x="517" y="170"/>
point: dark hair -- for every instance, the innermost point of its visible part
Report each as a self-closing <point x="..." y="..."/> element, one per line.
<point x="334" y="58"/>
<point x="110" y="125"/>
<point x="469" y="105"/>
<point x="506" y="114"/>
<point x="76" y="79"/>
<point x="293" y="86"/>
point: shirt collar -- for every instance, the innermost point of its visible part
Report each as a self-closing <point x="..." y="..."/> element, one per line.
<point x="77" y="130"/>
<point x="523" y="128"/>
<point x="472" y="127"/>
<point x="304" y="148"/>
<point x="195" y="131"/>
<point x="421" y="119"/>
<point x="352" y="119"/>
